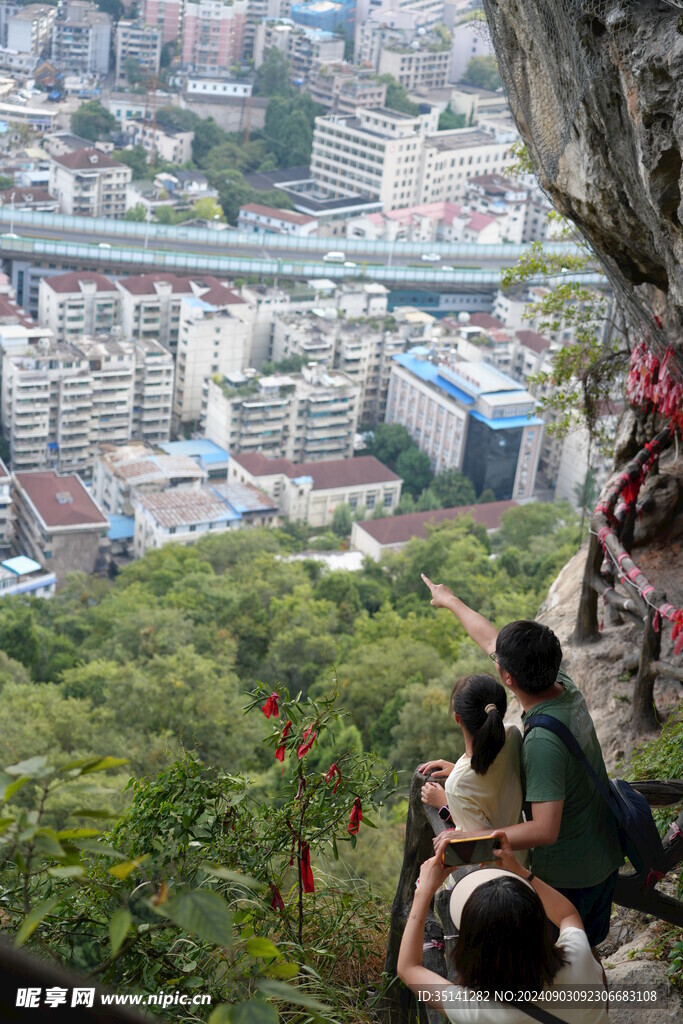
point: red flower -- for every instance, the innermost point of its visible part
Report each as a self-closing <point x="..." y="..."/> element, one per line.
<point x="302" y="786"/>
<point x="270" y="707"/>
<point x="356" y="817"/>
<point x="309" y="737"/>
<point x="277" y="902"/>
<point x="306" y="872"/>
<point x="333" y="771"/>
<point x="280" y="752"/>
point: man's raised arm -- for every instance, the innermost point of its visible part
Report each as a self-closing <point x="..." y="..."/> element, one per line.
<point x="479" y="629"/>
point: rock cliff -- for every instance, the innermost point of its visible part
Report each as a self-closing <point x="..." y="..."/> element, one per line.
<point x="596" y="88"/>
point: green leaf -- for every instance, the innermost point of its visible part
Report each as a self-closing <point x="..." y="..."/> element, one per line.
<point x="127" y="867"/>
<point x="12" y="787"/>
<point x="68" y="871"/>
<point x="103" y="849"/>
<point x="119" y="926"/>
<point x="261" y="948"/>
<point x="286" y="971"/>
<point x="98" y="812"/>
<point x="256" y="1011"/>
<point x="368" y="821"/>
<point x="291" y="994"/>
<point x="33" y="919"/>
<point x="203" y="913"/>
<point x="78" y="833"/>
<point x="46" y="841"/>
<point x="231" y="876"/>
<point x="31" y="768"/>
<point x="335" y="851"/>
<point x="104" y="764"/>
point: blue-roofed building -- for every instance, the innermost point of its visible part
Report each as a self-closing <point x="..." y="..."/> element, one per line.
<point x="23" y="575"/>
<point x="327" y="15"/>
<point x="212" y="459"/>
<point x="471" y="417"/>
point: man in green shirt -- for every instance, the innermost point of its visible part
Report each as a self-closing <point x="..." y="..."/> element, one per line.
<point x="571" y="833"/>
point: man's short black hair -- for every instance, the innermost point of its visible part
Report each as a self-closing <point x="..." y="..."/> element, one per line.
<point x="531" y="653"/>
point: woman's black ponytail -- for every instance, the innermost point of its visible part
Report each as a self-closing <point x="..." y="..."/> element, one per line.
<point x="470" y="697"/>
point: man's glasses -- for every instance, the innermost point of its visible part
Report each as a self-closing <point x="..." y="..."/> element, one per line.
<point x="494" y="657"/>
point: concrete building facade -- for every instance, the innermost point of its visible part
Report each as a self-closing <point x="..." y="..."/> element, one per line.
<point x="89" y="183"/>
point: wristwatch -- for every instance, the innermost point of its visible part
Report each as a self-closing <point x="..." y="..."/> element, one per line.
<point x="444" y="813"/>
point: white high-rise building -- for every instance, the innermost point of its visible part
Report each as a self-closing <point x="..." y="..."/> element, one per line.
<point x="212" y="339"/>
<point x="306" y="417"/>
<point x="60" y="401"/>
<point x="77" y="304"/>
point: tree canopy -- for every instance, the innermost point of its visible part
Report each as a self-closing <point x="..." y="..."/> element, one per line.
<point x="93" y="121"/>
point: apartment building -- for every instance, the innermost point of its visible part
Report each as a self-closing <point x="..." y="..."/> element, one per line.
<point x="311" y="491"/>
<point x="255" y="217"/>
<point x="423" y="63"/>
<point x="213" y="34"/>
<point x="58" y="523"/>
<point x="306" y="417"/>
<point x="6" y="509"/>
<point x="28" y="31"/>
<point x="123" y="473"/>
<point x="469" y="416"/>
<point x="150" y="304"/>
<point x="180" y="516"/>
<point x="263" y="303"/>
<point x="304" y="48"/>
<point x="89" y="183"/>
<point x="77" y="304"/>
<point x="138" y="42"/>
<point x="60" y="401"/>
<point x="344" y="90"/>
<point x="376" y="153"/>
<point x="213" y="338"/>
<point x="386" y="24"/>
<point x="23" y="575"/>
<point x="81" y="39"/>
<point x="164" y="15"/>
<point x="360" y="348"/>
<point x="169" y="144"/>
<point x="451" y="158"/>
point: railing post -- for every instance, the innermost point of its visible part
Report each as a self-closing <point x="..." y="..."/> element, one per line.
<point x="586" y="629"/>
<point x="644" y="711"/>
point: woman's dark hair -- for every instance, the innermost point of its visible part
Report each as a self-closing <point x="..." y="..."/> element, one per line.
<point x="531" y="653"/>
<point x="505" y="939"/>
<point x="470" y="696"/>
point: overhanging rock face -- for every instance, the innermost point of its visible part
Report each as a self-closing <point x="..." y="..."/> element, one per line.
<point x="596" y="89"/>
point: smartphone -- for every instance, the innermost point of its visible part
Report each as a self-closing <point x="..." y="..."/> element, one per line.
<point x="470" y="851"/>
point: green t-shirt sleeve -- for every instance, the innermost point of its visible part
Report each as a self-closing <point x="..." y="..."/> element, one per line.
<point x="544" y="758"/>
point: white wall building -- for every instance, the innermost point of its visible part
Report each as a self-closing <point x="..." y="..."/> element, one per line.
<point x="122" y="473"/>
<point x="89" y="183"/>
<point x="310" y="492"/>
<point x="180" y="516"/>
<point x="306" y="417"/>
<point x="81" y="38"/>
<point x="213" y="339"/>
<point x="138" y="43"/>
<point x="76" y="304"/>
<point x="28" y="31"/>
<point x="468" y="416"/>
<point x="172" y="146"/>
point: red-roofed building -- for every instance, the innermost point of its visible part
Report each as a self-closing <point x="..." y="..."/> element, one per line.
<point x="482" y="228"/>
<point x="28" y="198"/>
<point x="378" y="536"/>
<point x="89" y="183"/>
<point x="150" y="303"/>
<point x="78" y="303"/>
<point x="254" y="217"/>
<point x="58" y="523"/>
<point x="533" y="353"/>
<point x="310" y="491"/>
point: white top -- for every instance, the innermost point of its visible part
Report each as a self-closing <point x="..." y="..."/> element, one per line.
<point x="582" y="969"/>
<point x="493" y="800"/>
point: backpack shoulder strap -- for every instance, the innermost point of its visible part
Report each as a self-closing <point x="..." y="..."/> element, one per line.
<point x="571" y="743"/>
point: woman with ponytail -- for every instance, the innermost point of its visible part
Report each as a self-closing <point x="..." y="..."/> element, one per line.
<point x="483" y="789"/>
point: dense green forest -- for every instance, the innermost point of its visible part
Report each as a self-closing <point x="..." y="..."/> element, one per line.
<point x="207" y="757"/>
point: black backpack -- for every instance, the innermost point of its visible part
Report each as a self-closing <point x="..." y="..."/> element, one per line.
<point x="638" y="834"/>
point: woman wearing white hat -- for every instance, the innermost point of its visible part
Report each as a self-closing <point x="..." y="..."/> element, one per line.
<point x="504" y="945"/>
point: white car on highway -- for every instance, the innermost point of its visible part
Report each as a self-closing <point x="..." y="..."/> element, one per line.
<point x="430" y="257"/>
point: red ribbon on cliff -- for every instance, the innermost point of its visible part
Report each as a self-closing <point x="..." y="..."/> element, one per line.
<point x="270" y="707"/>
<point x="306" y="872"/>
<point x="356" y="817"/>
<point x="277" y="903"/>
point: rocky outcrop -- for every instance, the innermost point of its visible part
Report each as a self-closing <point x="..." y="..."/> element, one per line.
<point x="596" y="88"/>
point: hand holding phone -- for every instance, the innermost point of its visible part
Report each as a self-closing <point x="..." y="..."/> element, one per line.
<point x="461" y="852"/>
